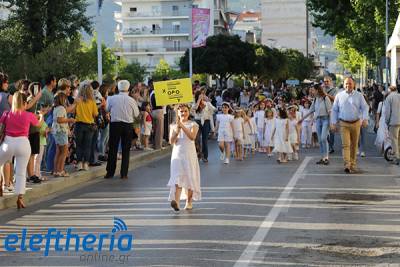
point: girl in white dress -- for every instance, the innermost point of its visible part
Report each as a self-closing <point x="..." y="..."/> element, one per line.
<point x="281" y="137"/>
<point x="247" y="136"/>
<point x="294" y="133"/>
<point x="306" y="126"/>
<point x="268" y="130"/>
<point x="238" y="133"/>
<point x="185" y="170"/>
<point x="225" y="132"/>
<point x="260" y="118"/>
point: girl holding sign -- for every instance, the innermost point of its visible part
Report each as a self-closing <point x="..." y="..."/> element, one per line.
<point x="185" y="170"/>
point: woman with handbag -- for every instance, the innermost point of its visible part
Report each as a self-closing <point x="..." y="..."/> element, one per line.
<point x="85" y="126"/>
<point x="16" y="125"/>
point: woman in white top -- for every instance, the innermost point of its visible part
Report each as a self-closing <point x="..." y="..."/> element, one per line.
<point x="185" y="170"/>
<point x="203" y="112"/>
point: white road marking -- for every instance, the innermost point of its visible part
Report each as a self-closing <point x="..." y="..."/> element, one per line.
<point x="263" y="230"/>
<point x="356" y="174"/>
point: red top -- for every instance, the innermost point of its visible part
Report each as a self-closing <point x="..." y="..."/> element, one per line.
<point x="148" y="117"/>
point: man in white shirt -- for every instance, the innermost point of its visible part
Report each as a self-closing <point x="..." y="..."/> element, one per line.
<point x="123" y="110"/>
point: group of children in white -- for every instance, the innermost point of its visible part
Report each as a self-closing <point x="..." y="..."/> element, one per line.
<point x="265" y="129"/>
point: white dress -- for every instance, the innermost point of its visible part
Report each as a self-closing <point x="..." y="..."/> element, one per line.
<point x="185" y="170"/>
<point x="269" y="129"/>
<point x="280" y="143"/>
<point x="293" y="138"/>
<point x="248" y="131"/>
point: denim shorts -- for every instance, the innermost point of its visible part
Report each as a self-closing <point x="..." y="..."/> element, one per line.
<point x="61" y="138"/>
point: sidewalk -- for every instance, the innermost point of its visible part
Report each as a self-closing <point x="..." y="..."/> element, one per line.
<point x="57" y="185"/>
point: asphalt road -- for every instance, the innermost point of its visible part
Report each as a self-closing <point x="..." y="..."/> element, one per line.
<point x="253" y="213"/>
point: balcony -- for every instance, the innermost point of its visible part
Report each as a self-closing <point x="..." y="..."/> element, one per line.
<point x="118" y="16"/>
<point x="154" y="50"/>
<point x="158" y="32"/>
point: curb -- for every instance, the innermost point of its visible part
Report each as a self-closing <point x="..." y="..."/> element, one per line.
<point x="58" y="185"/>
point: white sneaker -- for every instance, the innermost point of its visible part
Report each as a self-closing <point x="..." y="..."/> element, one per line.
<point x="79" y="166"/>
<point x="148" y="149"/>
<point x="222" y="157"/>
<point x="86" y="166"/>
<point x="290" y="157"/>
<point x="296" y="156"/>
<point x="188" y="206"/>
<point x="226" y="161"/>
<point x="362" y="154"/>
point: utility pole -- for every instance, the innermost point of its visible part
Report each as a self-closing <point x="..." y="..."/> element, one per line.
<point x="386" y="45"/>
<point x="191" y="39"/>
<point x="307" y="30"/>
<point x="99" y="54"/>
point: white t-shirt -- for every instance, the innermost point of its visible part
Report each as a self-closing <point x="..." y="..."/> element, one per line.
<point x="224" y="121"/>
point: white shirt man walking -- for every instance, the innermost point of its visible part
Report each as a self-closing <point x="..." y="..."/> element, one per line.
<point x="392" y="119"/>
<point x="351" y="110"/>
<point x="123" y="110"/>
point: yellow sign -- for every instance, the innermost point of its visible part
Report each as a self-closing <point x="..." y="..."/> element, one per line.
<point x="173" y="92"/>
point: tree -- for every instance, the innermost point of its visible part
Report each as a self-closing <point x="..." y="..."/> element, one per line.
<point x="361" y="23"/>
<point x="349" y="57"/>
<point x="41" y="23"/>
<point x="223" y="56"/>
<point x="299" y="66"/>
<point x="269" y="64"/>
<point x="133" y="72"/>
<point x="164" y="71"/>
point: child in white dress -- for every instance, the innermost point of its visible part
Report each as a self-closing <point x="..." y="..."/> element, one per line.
<point x="247" y="136"/>
<point x="294" y="133"/>
<point x="185" y="170"/>
<point x="225" y="132"/>
<point x="259" y="117"/>
<point x="238" y="133"/>
<point x="281" y="137"/>
<point x="268" y="130"/>
<point x="306" y="126"/>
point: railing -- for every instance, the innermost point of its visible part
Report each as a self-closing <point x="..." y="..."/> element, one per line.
<point x="138" y="31"/>
<point x="154" y="49"/>
<point x="154" y="14"/>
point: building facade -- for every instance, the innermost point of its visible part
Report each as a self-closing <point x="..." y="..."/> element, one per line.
<point x="247" y="25"/>
<point x="285" y="25"/>
<point x="149" y="30"/>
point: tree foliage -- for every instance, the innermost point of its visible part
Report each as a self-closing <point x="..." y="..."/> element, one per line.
<point x="164" y="71"/>
<point x="360" y="23"/>
<point x="223" y="56"/>
<point x="269" y="64"/>
<point x="41" y="23"/>
<point x="299" y="66"/>
<point x="349" y="57"/>
<point x="133" y="72"/>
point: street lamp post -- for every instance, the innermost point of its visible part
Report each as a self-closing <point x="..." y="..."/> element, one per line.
<point x="99" y="52"/>
<point x="191" y="38"/>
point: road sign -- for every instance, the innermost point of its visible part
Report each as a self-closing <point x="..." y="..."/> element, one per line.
<point x="173" y="92"/>
<point x="292" y="82"/>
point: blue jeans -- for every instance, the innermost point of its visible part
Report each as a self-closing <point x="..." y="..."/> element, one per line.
<point x="83" y="139"/>
<point x="50" y="152"/>
<point x="104" y="135"/>
<point x="322" y="125"/>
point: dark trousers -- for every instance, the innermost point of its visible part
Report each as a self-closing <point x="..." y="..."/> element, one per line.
<point x="204" y="130"/>
<point x="93" y="149"/>
<point x="119" y="131"/>
<point x="331" y="140"/>
<point x="83" y="139"/>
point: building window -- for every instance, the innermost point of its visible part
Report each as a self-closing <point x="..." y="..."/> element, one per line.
<point x="134" y="46"/>
<point x="177" y="45"/>
<point x="175" y="10"/>
<point x="176" y="26"/>
<point x="156" y="10"/>
<point x="133" y="11"/>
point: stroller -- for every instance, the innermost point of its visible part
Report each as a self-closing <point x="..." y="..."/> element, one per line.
<point x="384" y="143"/>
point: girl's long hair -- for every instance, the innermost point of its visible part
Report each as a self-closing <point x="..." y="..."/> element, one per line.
<point x="86" y="91"/>
<point x="18" y="101"/>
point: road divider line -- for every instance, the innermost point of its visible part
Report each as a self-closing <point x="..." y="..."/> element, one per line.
<point x="264" y="228"/>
